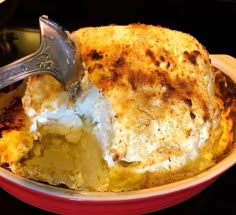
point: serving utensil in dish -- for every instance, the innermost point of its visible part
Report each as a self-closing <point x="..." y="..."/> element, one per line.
<point x="65" y="201"/>
<point x="56" y="56"/>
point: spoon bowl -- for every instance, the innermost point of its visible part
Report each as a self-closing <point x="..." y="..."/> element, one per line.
<point x="56" y="56"/>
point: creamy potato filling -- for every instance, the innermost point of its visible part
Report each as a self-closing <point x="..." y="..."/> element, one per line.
<point x="69" y="156"/>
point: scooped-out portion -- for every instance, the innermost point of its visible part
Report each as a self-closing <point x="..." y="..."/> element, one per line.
<point x="149" y="112"/>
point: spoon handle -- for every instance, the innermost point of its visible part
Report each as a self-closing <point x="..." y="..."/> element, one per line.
<point x="36" y="63"/>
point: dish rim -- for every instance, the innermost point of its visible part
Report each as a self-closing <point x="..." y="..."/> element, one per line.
<point x="201" y="178"/>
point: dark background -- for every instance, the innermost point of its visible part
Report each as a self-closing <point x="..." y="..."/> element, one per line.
<point x="211" y="22"/>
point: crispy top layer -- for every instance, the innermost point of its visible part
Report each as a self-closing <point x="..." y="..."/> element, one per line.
<point x="139" y="65"/>
<point x="159" y="82"/>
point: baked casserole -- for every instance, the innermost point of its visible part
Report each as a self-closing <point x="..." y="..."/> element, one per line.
<point x="151" y="110"/>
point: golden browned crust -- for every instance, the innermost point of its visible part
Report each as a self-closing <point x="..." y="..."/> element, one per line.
<point x="225" y="89"/>
<point x="138" y="65"/>
<point x="12" y="117"/>
<point x="129" y="58"/>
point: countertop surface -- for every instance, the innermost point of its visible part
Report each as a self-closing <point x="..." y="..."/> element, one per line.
<point x="211" y="22"/>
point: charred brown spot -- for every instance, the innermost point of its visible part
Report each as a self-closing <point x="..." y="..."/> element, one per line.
<point x="95" y="55"/>
<point x="169" y="91"/>
<point x="205" y="117"/>
<point x="169" y="88"/>
<point x="161" y="77"/>
<point x="183" y="85"/>
<point x="133" y="80"/>
<point x="137" y="78"/>
<point x="186" y="87"/>
<point x="114" y="75"/>
<point x="5" y="166"/>
<point x="132" y="83"/>
<point x="192" y="115"/>
<point x="165" y="81"/>
<point x="192" y="56"/>
<point x="205" y="110"/>
<point x="162" y="58"/>
<point x="119" y="62"/>
<point x="117" y="156"/>
<point x="188" y="132"/>
<point x="12" y="117"/>
<point x="94" y="67"/>
<point x="226" y="90"/>
<point x="188" y="102"/>
<point x="168" y="65"/>
<point x="150" y="54"/>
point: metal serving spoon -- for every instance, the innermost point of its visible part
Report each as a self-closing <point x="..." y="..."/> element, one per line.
<point x="56" y="56"/>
